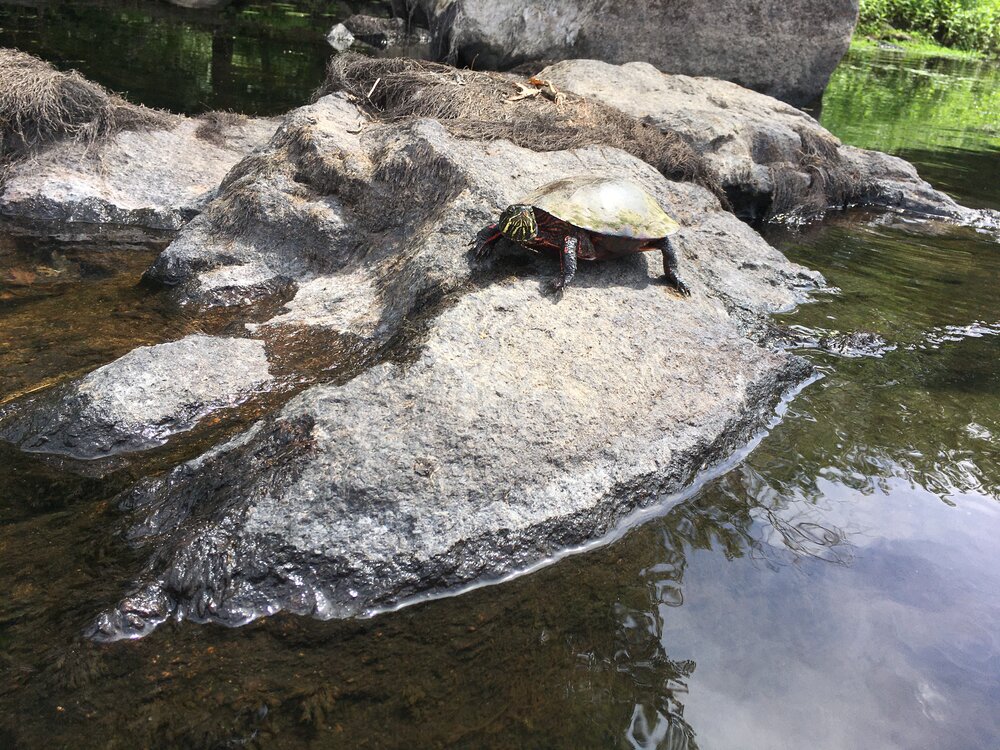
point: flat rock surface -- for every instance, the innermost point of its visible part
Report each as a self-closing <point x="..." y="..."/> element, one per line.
<point x="524" y="426"/>
<point x="152" y="178"/>
<point x="141" y="399"/>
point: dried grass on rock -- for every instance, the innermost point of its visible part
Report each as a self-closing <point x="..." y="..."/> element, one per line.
<point x="485" y="106"/>
<point x="39" y="105"/>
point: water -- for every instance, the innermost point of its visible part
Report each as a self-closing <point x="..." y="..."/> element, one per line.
<point x="941" y="114"/>
<point x="249" y="57"/>
<point x="838" y="589"/>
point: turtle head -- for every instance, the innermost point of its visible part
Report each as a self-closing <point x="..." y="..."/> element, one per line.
<point x="518" y="223"/>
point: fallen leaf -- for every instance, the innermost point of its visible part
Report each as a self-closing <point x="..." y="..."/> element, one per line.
<point x="524" y="92"/>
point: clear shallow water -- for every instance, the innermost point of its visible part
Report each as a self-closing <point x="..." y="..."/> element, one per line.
<point x="839" y="589"/>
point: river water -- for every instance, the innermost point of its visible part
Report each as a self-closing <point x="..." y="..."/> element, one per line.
<point x="839" y="588"/>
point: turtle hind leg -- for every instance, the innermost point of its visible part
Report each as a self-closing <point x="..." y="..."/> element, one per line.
<point x="670" y="267"/>
<point x="482" y="244"/>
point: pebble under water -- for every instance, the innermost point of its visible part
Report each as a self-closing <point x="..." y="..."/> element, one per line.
<point x="839" y="588"/>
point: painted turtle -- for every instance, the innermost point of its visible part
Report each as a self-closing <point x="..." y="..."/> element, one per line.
<point x="592" y="218"/>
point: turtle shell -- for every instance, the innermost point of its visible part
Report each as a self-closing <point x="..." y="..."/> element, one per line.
<point x="614" y="207"/>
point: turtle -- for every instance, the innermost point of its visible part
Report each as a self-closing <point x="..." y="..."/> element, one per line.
<point x="589" y="218"/>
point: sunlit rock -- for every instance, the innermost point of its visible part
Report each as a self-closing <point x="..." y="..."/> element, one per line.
<point x="774" y="160"/>
<point x="72" y="151"/>
<point x="504" y="426"/>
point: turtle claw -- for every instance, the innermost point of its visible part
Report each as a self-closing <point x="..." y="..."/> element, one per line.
<point x="479" y="249"/>
<point x="481" y="245"/>
<point x="679" y="286"/>
<point x="557" y="286"/>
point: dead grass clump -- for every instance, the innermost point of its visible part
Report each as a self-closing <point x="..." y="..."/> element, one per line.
<point x="793" y="194"/>
<point x="818" y="179"/>
<point x="245" y="204"/>
<point x="807" y="178"/>
<point x="39" y="104"/>
<point x="212" y="126"/>
<point x="484" y="106"/>
<point x="819" y="147"/>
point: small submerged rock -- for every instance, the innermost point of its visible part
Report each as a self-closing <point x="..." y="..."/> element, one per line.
<point x="340" y="38"/>
<point x="141" y="399"/>
<point x="851" y="344"/>
<point x="395" y="34"/>
<point x="384" y="36"/>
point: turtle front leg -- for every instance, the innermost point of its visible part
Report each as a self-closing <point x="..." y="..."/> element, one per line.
<point x="482" y="244"/>
<point x="670" y="267"/>
<point x="567" y="263"/>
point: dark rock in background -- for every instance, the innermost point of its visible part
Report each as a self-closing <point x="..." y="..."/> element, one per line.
<point x="787" y="49"/>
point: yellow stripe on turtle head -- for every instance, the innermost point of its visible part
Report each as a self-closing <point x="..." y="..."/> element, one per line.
<point x="518" y="223"/>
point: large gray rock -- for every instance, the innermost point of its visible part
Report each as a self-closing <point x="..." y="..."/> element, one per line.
<point x="523" y="428"/>
<point x="508" y="426"/>
<point x="141" y="399"/>
<point x="772" y="159"/>
<point x="335" y="200"/>
<point x="784" y="48"/>
<point x="157" y="178"/>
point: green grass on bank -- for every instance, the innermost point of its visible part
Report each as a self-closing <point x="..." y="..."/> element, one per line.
<point x="961" y="24"/>
<point x="913" y="45"/>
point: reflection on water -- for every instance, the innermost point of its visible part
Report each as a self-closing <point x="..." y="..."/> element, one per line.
<point x="893" y="101"/>
<point x="910" y="410"/>
<point x="250" y="57"/>
<point x="838" y="589"/>
<point x="941" y="114"/>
